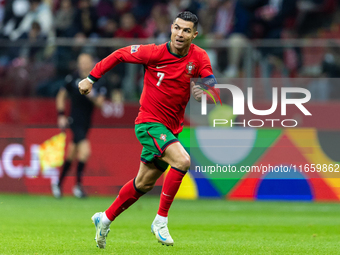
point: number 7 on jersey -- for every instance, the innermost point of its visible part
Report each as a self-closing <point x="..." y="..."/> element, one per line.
<point x="161" y="76"/>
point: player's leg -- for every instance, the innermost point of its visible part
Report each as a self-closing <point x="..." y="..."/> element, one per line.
<point x="83" y="154"/>
<point x="128" y="195"/>
<point x="70" y="155"/>
<point x="161" y="146"/>
<point x="134" y="189"/>
<point x="179" y="160"/>
<point x="146" y="177"/>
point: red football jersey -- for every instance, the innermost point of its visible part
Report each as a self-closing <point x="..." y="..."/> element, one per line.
<point x="167" y="77"/>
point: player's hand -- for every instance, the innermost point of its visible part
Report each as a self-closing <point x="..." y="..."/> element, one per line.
<point x="62" y="122"/>
<point x="196" y="91"/>
<point x="85" y="86"/>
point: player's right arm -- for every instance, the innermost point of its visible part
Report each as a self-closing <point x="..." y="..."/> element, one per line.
<point x="134" y="54"/>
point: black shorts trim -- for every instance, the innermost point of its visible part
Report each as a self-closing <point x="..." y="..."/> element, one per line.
<point x="143" y="160"/>
<point x="158" y="166"/>
<point x="168" y="143"/>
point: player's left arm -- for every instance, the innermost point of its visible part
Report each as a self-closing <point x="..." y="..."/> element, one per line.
<point x="207" y="87"/>
<point x="208" y="80"/>
<point x="196" y="91"/>
<point x="135" y="54"/>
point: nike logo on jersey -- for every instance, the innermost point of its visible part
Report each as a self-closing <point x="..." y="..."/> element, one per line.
<point x="159" y="67"/>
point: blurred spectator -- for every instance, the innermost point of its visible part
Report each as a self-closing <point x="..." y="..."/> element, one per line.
<point x="217" y="22"/>
<point x="162" y="33"/>
<point x="327" y="86"/>
<point x="15" y="10"/>
<point x="107" y="31"/>
<point x="55" y="4"/>
<point x="114" y="80"/>
<point x="109" y="13"/>
<point x="63" y="21"/>
<point x="270" y="22"/>
<point x="224" y="19"/>
<point x="67" y="56"/>
<point x="34" y="49"/>
<point x="157" y="12"/>
<point x="29" y="66"/>
<point x="109" y="28"/>
<point x="177" y="6"/>
<point x="194" y="6"/>
<point x="264" y="19"/>
<point x="331" y="69"/>
<point x="207" y="16"/>
<point x="158" y="24"/>
<point x="39" y="12"/>
<point x="23" y="20"/>
<point x="121" y="7"/>
<point x="271" y="17"/>
<point x="86" y="19"/>
<point x="222" y="28"/>
<point x="142" y="9"/>
<point x="314" y="14"/>
<point x="65" y="62"/>
<point x="292" y="55"/>
<point x="2" y="11"/>
<point x="129" y="28"/>
<point x="113" y="9"/>
<point x="116" y="75"/>
<point x="331" y="62"/>
<point x="241" y="32"/>
<point x="105" y="8"/>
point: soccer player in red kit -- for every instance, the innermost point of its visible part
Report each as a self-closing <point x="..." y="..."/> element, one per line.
<point x="168" y="70"/>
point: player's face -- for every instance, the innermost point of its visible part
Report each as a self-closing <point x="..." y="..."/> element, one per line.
<point x="182" y="34"/>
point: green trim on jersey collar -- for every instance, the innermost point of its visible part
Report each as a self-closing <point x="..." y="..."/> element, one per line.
<point x="176" y="55"/>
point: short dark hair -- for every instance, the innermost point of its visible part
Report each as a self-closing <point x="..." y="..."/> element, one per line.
<point x="188" y="16"/>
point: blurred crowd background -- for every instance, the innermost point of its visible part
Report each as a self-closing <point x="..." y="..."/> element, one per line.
<point x="41" y="39"/>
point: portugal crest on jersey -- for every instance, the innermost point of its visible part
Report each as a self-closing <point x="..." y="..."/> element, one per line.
<point x="190" y="67"/>
<point x="163" y="137"/>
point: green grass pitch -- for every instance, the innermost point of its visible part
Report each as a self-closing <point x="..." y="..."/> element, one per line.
<point x="43" y="225"/>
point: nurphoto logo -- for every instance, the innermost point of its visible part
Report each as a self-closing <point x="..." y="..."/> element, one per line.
<point x="239" y="105"/>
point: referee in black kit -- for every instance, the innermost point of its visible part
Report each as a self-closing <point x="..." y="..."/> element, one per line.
<point x="79" y="121"/>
